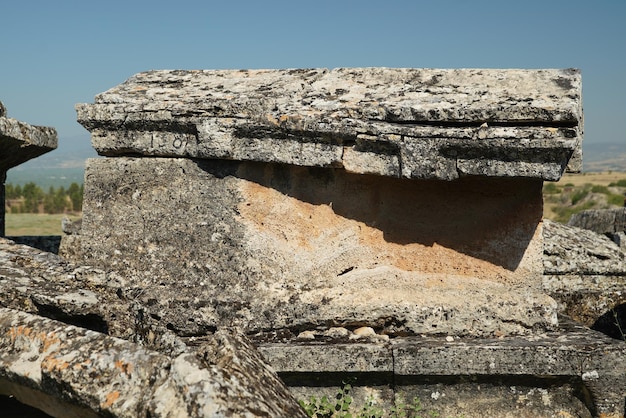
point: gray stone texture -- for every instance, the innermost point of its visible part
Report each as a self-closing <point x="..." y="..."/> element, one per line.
<point x="475" y="377"/>
<point x="44" y="284"/>
<point x="296" y="199"/>
<point x="83" y="370"/>
<point x="213" y="243"/>
<point x="585" y="272"/>
<point x="72" y="372"/>
<point x="20" y="142"/>
<point x="409" y="123"/>
<point x="609" y="222"/>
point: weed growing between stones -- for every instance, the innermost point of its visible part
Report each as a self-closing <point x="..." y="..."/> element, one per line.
<point x="341" y="407"/>
<point x="618" y="324"/>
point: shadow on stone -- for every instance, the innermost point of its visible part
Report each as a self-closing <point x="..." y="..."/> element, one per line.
<point x="464" y="215"/>
<point x="613" y="323"/>
<point x="12" y="408"/>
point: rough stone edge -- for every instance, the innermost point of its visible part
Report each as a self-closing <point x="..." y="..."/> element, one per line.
<point x="91" y="370"/>
<point x="32" y="141"/>
<point x="136" y="119"/>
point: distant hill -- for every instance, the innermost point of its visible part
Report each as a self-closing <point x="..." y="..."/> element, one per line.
<point x="603" y="156"/>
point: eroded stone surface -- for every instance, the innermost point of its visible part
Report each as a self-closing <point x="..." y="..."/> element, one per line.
<point x="273" y="246"/>
<point x="20" y="142"/>
<point x="497" y="372"/>
<point x="410" y="123"/>
<point x="584" y="271"/>
<point x="609" y="222"/>
<point x="87" y="374"/>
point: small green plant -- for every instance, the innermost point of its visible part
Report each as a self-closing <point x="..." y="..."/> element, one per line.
<point x="579" y="195"/>
<point x="615" y="199"/>
<point x="324" y="408"/>
<point x="598" y="188"/>
<point x="341" y="407"/>
<point x="618" y="324"/>
<point x="551" y="188"/>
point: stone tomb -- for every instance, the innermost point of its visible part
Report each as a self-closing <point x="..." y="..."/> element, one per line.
<point x="405" y="200"/>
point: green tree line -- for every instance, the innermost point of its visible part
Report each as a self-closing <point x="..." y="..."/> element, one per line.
<point x="31" y="198"/>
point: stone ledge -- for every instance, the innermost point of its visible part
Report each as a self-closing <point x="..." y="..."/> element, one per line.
<point x="573" y="351"/>
<point x="409" y="123"/>
<point x="20" y="142"/>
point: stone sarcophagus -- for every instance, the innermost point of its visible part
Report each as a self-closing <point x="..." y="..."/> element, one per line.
<point x="405" y="200"/>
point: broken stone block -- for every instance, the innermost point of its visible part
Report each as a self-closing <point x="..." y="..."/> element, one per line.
<point x="585" y="273"/>
<point x="20" y="142"/>
<point x="67" y="371"/>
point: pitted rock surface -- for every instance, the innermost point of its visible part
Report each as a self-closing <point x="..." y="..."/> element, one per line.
<point x="569" y="249"/>
<point x="584" y="272"/>
<point x="70" y="371"/>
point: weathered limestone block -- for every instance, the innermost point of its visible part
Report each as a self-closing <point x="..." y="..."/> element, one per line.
<point x="609" y="222"/>
<point x="285" y="247"/>
<point x="44" y="284"/>
<point x="409" y="123"/>
<point x="401" y="199"/>
<point x="72" y="372"/>
<point x="584" y="271"/>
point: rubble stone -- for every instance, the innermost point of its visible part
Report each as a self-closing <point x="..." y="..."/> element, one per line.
<point x="584" y="272"/>
<point x="68" y="371"/>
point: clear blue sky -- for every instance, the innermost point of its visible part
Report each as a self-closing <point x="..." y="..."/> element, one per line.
<point x="58" y="53"/>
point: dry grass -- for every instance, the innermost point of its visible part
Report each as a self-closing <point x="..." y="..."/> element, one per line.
<point x="35" y="224"/>
<point x="578" y="192"/>
<point x="602" y="179"/>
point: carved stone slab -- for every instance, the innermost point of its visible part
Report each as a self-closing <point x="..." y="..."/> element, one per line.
<point x="409" y="123"/>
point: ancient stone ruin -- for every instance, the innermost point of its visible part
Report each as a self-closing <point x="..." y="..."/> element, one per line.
<point x="378" y="226"/>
